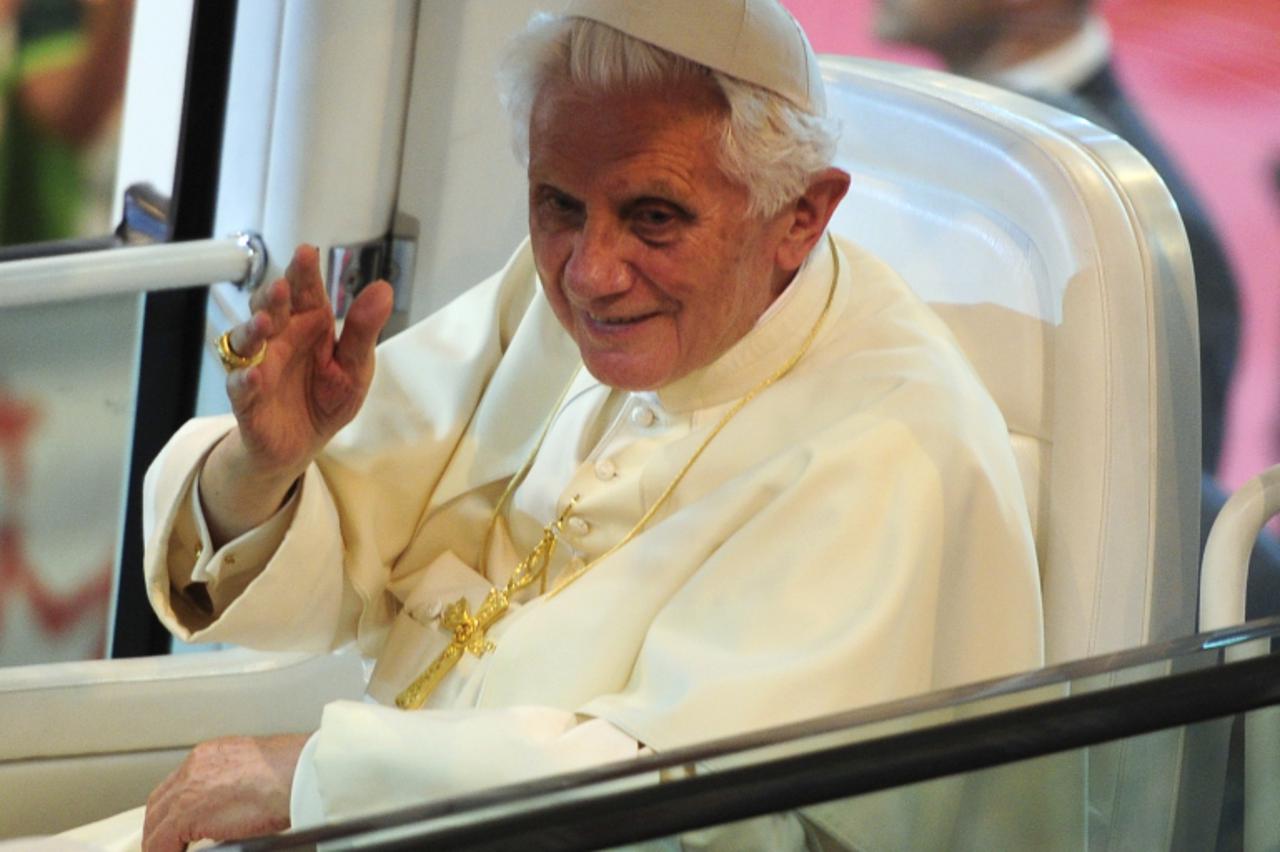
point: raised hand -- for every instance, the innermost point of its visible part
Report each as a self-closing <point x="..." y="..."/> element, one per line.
<point x="309" y="384"/>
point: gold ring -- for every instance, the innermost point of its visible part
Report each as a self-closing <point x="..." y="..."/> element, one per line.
<point x="232" y="360"/>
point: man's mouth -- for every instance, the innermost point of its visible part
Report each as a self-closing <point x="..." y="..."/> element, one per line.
<point x="621" y="320"/>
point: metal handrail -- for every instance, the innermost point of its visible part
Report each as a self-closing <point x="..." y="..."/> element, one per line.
<point x="240" y="259"/>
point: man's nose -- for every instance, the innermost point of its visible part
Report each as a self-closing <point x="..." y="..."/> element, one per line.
<point x="597" y="266"/>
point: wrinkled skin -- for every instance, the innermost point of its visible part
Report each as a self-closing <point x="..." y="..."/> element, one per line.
<point x="311" y="384"/>
<point x="647" y="251"/>
<point x="226" y="789"/>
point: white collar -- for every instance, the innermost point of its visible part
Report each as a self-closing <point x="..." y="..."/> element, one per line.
<point x="767" y="345"/>
<point x="1062" y="67"/>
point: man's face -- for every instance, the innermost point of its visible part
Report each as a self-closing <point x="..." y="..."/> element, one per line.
<point x="644" y="247"/>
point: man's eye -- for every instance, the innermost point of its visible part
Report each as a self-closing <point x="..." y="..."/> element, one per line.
<point x="656" y="221"/>
<point x="655" y="217"/>
<point x="558" y="206"/>
<point x="561" y="204"/>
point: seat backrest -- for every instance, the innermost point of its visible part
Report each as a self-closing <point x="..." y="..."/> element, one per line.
<point x="1056" y="256"/>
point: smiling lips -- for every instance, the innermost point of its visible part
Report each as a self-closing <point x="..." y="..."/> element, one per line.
<point x="616" y="322"/>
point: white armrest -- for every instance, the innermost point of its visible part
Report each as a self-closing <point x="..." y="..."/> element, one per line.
<point x="85" y="740"/>
<point x="1224" y="576"/>
<point x="1224" y="571"/>
<point x="161" y="702"/>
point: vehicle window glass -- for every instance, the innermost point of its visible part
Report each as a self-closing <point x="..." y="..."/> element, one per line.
<point x="67" y="370"/>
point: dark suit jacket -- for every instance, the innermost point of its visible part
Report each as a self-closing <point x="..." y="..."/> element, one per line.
<point x="1101" y="100"/>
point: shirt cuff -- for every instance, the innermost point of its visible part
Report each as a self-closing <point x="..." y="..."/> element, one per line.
<point x="305" y="808"/>
<point x="226" y="571"/>
<point x="368" y="758"/>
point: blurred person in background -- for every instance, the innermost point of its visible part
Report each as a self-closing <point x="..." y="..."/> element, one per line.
<point x="1262" y="597"/>
<point x="1059" y="52"/>
<point x="63" y="64"/>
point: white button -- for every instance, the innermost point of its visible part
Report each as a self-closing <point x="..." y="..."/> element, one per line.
<point x="577" y="526"/>
<point x="643" y="416"/>
<point x="605" y="470"/>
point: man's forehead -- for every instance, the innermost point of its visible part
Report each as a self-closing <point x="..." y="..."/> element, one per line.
<point x="662" y="135"/>
<point x="753" y="40"/>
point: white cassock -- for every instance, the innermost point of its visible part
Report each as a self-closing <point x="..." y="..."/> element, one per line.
<point x="856" y="534"/>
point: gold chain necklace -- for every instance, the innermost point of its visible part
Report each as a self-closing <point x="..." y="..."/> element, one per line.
<point x="470" y="632"/>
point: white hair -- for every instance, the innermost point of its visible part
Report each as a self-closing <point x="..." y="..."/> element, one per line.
<point x="767" y="144"/>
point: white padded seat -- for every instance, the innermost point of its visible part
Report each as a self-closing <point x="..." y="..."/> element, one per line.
<point x="85" y="740"/>
<point x="1058" y="259"/>
<point x="1059" y="262"/>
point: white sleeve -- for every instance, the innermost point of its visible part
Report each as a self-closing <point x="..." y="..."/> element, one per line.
<point x="287" y="572"/>
<point x="367" y="758"/>
<point x="226" y="571"/>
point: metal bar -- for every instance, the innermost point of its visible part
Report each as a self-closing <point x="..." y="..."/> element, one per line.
<point x="561" y="820"/>
<point x="131" y="269"/>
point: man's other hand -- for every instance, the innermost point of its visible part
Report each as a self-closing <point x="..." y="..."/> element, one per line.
<point x="226" y="789"/>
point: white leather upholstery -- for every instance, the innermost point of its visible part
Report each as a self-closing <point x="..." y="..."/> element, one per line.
<point x="1059" y="261"/>
<point x="1057" y="258"/>
<point x="84" y="740"/>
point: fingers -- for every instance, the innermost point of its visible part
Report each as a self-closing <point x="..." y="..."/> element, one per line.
<point x="226" y="789"/>
<point x="271" y="307"/>
<point x="159" y="834"/>
<point x="271" y="313"/>
<point x="271" y="297"/>
<point x="247" y="338"/>
<point x="158" y="830"/>
<point x="242" y="387"/>
<point x="368" y="314"/>
<point x="164" y="828"/>
<point x="276" y="307"/>
<point x="306" y="288"/>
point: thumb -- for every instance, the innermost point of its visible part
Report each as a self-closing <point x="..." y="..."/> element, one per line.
<point x="365" y="319"/>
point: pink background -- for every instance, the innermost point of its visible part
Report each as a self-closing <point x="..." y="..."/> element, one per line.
<point x="1207" y="75"/>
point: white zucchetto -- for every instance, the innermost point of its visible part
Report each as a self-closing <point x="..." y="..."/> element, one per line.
<point x="753" y="40"/>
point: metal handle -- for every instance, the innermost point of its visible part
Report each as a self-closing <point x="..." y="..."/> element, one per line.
<point x="241" y="259"/>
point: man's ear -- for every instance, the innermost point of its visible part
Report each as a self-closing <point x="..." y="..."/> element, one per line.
<point x="808" y="215"/>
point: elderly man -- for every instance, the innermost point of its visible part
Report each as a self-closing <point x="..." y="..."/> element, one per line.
<point x="686" y="467"/>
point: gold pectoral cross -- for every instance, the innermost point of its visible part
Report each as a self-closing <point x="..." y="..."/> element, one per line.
<point x="470" y="632"/>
